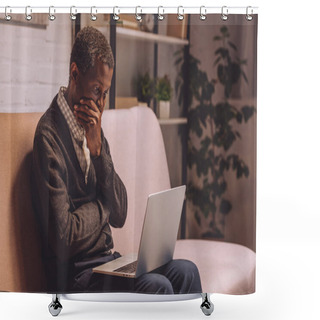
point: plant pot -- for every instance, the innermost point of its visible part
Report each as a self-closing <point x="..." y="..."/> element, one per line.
<point x="164" y="109"/>
<point x="142" y="104"/>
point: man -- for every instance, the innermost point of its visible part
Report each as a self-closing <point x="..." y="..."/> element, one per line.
<point x="77" y="194"/>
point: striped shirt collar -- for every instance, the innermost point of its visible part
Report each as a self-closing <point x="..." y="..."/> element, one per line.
<point x="77" y="131"/>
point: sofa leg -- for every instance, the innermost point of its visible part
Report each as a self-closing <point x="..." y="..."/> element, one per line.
<point x="206" y="306"/>
<point x="55" y="306"/>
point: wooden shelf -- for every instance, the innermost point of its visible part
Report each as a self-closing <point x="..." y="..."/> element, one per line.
<point x="173" y="121"/>
<point x="148" y="36"/>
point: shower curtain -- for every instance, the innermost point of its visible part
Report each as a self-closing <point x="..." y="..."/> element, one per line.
<point x="180" y="109"/>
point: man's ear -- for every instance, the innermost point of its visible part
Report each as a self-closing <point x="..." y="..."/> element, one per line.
<point x="74" y="71"/>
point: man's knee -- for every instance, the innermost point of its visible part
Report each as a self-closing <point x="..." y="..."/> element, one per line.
<point x="184" y="267"/>
<point x="184" y="276"/>
<point x="153" y="283"/>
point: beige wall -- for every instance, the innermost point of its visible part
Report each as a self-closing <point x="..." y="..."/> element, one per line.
<point x="34" y="64"/>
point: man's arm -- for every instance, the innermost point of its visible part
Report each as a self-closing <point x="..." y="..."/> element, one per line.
<point x="68" y="232"/>
<point x="110" y="188"/>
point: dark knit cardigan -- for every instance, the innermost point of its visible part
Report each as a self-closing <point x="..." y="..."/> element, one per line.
<point x="74" y="217"/>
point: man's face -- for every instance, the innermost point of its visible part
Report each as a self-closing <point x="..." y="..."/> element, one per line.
<point x="95" y="85"/>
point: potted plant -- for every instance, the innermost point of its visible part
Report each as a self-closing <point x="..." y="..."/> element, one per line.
<point x="145" y="88"/>
<point x="212" y="125"/>
<point x="163" y="93"/>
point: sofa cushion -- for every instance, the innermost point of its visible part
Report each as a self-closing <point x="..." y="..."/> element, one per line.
<point x="224" y="267"/>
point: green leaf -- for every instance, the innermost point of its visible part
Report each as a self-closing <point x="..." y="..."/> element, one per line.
<point x="234" y="159"/>
<point x="224" y="31"/>
<point x="232" y="45"/>
<point x="228" y="140"/>
<point x="222" y="165"/>
<point x="225" y="206"/>
<point x="247" y="112"/>
<point x="205" y="143"/>
<point x="208" y="234"/>
<point x="246" y="171"/>
<point x="239" y="117"/>
<point x="163" y="89"/>
<point x="194" y="123"/>
<point x="201" y="198"/>
<point x="178" y="85"/>
<point x="244" y="76"/>
<point x="217" y="38"/>
<point x="223" y="52"/>
<point x="235" y="72"/>
<point x="222" y="74"/>
<point x="198" y="219"/>
<point x="178" y="61"/>
<point x="207" y="91"/>
<point x="216" y="234"/>
<point x="223" y="187"/>
<point x="178" y="52"/>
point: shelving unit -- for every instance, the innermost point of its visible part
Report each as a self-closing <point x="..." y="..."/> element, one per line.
<point x="156" y="38"/>
<point x="173" y="121"/>
<point x="148" y="36"/>
<point x="117" y="31"/>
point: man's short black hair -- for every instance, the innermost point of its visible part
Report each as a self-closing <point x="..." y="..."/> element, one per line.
<point x="91" y="45"/>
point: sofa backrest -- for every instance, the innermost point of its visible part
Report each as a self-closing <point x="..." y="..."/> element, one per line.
<point x="139" y="157"/>
<point x="20" y="260"/>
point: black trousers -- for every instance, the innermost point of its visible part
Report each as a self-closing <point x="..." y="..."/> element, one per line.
<point x="176" y="277"/>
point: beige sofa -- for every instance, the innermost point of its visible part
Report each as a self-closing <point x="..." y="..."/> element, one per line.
<point x="139" y="156"/>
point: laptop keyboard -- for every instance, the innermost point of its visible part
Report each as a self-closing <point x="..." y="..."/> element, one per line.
<point x="128" y="268"/>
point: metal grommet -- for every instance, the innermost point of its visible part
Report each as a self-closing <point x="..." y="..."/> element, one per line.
<point x="28" y="16"/>
<point x="249" y="16"/>
<point x="115" y="15"/>
<point x="160" y="15"/>
<point x="138" y="16"/>
<point x="180" y="16"/>
<point x="73" y="13"/>
<point x="224" y="13"/>
<point x="51" y="15"/>
<point x="7" y="15"/>
<point x="203" y="13"/>
<point x="93" y="16"/>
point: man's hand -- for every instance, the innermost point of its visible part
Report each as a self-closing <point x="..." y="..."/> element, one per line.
<point x="89" y="116"/>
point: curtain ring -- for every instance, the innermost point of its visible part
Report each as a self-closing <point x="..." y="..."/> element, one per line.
<point x="28" y="16"/>
<point x="7" y="15"/>
<point x="203" y="13"/>
<point x="180" y="15"/>
<point x="138" y="16"/>
<point x="115" y="15"/>
<point x="93" y="16"/>
<point x="224" y="13"/>
<point x="51" y="15"/>
<point x="249" y="16"/>
<point x="73" y="14"/>
<point x="160" y="15"/>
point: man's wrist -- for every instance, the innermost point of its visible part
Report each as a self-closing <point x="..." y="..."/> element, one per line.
<point x="97" y="153"/>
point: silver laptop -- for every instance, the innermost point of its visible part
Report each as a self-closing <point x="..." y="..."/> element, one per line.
<point x="158" y="238"/>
